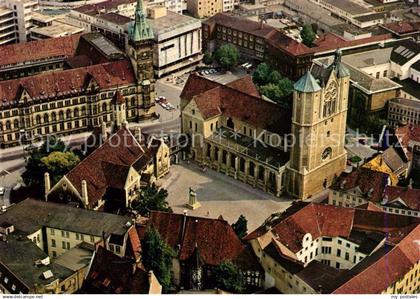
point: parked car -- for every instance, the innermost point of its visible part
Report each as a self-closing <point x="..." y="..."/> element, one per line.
<point x="2" y="191"/>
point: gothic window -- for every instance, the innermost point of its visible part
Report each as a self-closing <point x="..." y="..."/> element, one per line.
<point x="83" y="110"/>
<point x="16" y="124"/>
<point x="330" y="100"/>
<point x="68" y="113"/>
<point x="104" y="107"/>
<point x="38" y="119"/>
<point x="76" y="112"/>
<point x="326" y="154"/>
<point x="133" y="101"/>
<point x="60" y="115"/>
<point x="53" y="116"/>
<point x="45" y="118"/>
<point x="230" y="124"/>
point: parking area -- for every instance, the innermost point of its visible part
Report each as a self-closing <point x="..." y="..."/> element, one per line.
<point x="218" y="195"/>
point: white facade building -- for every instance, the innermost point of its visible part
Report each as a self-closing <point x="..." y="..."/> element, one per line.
<point x="23" y="13"/>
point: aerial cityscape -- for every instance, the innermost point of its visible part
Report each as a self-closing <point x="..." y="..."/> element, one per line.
<point x="210" y="147"/>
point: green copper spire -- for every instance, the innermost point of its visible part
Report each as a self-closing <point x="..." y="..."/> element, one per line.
<point x="140" y="29"/>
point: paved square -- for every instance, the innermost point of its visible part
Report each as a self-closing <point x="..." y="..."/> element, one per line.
<point x="219" y="195"/>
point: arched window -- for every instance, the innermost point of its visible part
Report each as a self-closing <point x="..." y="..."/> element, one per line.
<point x="61" y="115"/>
<point x="45" y="118"/>
<point x="16" y="124"/>
<point x="1" y="126"/>
<point x="83" y="111"/>
<point x="68" y="114"/>
<point x="104" y="107"/>
<point x="230" y="123"/>
<point x="326" y="154"/>
<point x="133" y="101"/>
<point x="38" y="119"/>
<point x="76" y="112"/>
<point x="53" y="116"/>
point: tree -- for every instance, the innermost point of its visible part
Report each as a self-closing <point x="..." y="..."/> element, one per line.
<point x="208" y="58"/>
<point x="152" y="199"/>
<point x="157" y="256"/>
<point x="241" y="227"/>
<point x="36" y="166"/>
<point x="274" y="77"/>
<point x="227" y="56"/>
<point x="261" y="74"/>
<point x="57" y="164"/>
<point x="307" y="35"/>
<point x="279" y="92"/>
<point x="228" y="277"/>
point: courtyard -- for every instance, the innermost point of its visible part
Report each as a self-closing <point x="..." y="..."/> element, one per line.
<point x="218" y="195"/>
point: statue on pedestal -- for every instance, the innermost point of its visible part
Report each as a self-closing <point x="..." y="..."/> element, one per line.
<point x="193" y="203"/>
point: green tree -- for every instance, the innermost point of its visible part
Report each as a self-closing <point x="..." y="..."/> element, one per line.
<point x="208" y="58"/>
<point x="35" y="168"/>
<point x="274" y="77"/>
<point x="307" y="35"/>
<point x="157" y="256"/>
<point x="279" y="92"/>
<point x="261" y="74"/>
<point x="57" y="164"/>
<point x="241" y="227"/>
<point x="152" y="199"/>
<point x="228" y="277"/>
<point x="227" y="56"/>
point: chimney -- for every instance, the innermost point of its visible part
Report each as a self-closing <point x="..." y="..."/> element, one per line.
<point x="85" y="198"/>
<point x="125" y="124"/>
<point x="103" y="131"/>
<point x="47" y="185"/>
<point x="262" y="23"/>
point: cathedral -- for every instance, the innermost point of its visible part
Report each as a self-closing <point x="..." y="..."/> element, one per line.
<point x="72" y="84"/>
<point x="236" y="131"/>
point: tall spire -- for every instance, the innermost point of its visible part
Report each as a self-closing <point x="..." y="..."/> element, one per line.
<point x="140" y="29"/>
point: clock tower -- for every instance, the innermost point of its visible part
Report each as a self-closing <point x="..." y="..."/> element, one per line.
<point x="318" y="126"/>
<point x="140" y="50"/>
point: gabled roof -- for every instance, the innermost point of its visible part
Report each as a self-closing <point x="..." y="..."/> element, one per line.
<point x="214" y="239"/>
<point x="370" y="182"/>
<point x="411" y="197"/>
<point x="107" y="166"/>
<point x="215" y="99"/>
<point x="307" y="83"/>
<point x="111" y="274"/>
<point x="72" y="81"/>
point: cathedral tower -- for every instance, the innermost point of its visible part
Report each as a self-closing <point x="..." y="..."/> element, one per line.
<point x="318" y="127"/>
<point x="140" y="50"/>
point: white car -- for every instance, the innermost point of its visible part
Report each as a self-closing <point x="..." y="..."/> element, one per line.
<point x="2" y="191"/>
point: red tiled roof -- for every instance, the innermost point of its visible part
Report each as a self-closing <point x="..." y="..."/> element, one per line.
<point x="318" y="220"/>
<point x="135" y="244"/>
<point x="403" y="27"/>
<point x="410" y="196"/>
<point x="331" y="41"/>
<point x="367" y="180"/>
<point x="213" y="100"/>
<point x="107" y="166"/>
<point x="36" y="50"/>
<point x="408" y="133"/>
<point x="214" y="238"/>
<point x="245" y="85"/>
<point x="111" y="274"/>
<point x="369" y="206"/>
<point x="73" y="81"/>
<point x="387" y="270"/>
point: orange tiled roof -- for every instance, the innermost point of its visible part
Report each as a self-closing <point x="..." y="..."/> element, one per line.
<point x="36" y="50"/>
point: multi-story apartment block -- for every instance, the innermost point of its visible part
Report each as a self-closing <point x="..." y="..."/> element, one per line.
<point x="177" y="6"/>
<point x="22" y="10"/>
<point x="321" y="249"/>
<point x="205" y="9"/>
<point x="8" y="26"/>
<point x="92" y="71"/>
<point x="403" y="111"/>
<point x="38" y="243"/>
